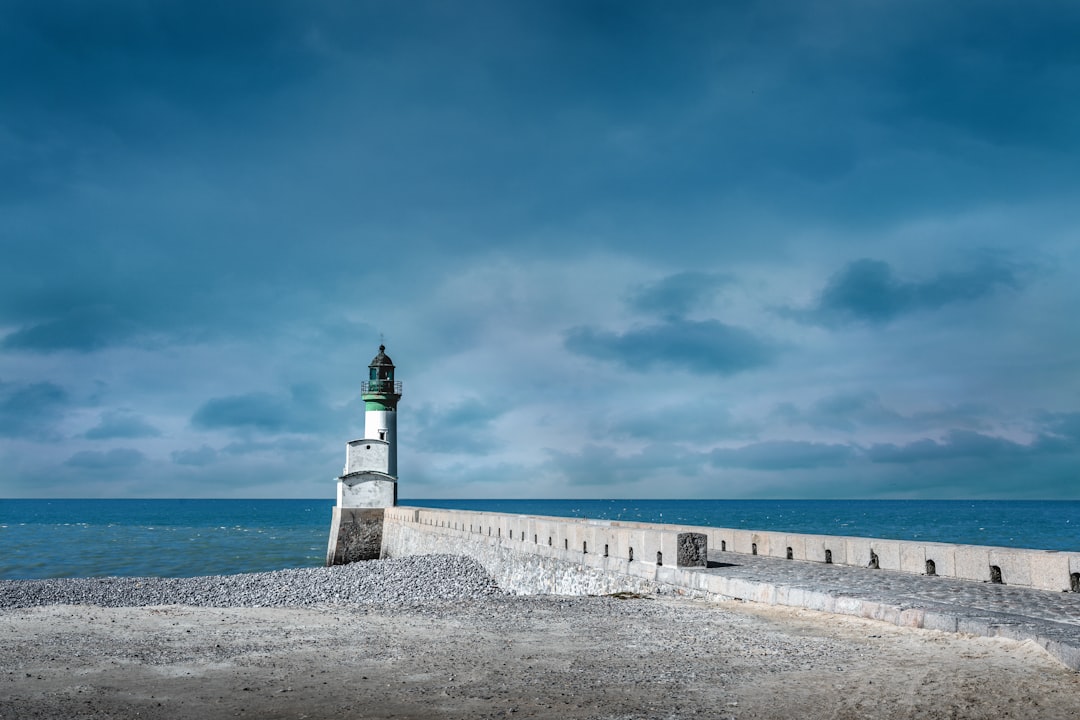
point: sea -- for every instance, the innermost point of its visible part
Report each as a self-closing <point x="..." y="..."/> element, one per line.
<point x="183" y="538"/>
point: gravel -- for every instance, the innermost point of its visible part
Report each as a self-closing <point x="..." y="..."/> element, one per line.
<point x="401" y="581"/>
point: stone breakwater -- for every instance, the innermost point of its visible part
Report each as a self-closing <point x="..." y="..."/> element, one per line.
<point x="401" y="581"/>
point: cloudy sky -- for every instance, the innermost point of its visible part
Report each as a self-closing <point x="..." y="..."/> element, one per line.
<point x="616" y="249"/>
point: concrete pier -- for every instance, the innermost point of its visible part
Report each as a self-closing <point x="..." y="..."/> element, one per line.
<point x="993" y="592"/>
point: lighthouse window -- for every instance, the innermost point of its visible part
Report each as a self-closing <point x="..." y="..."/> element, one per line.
<point x="382" y="434"/>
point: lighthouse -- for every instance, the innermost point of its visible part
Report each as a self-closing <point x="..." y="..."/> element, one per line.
<point x="368" y="484"/>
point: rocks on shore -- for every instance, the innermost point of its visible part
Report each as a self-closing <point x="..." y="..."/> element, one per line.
<point x="400" y="581"/>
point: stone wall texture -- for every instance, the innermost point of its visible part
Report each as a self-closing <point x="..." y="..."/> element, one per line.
<point x="355" y="534"/>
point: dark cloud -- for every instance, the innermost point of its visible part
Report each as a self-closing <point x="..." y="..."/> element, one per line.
<point x="956" y="444"/>
<point x="783" y="455"/>
<point x="302" y="411"/>
<point x="1064" y="427"/>
<point x="852" y="412"/>
<point x="260" y="411"/>
<point x="167" y="216"/>
<point x="704" y="347"/>
<point x="118" y="63"/>
<point x="842" y="411"/>
<point x="121" y="424"/>
<point x="115" y="459"/>
<point x="676" y="295"/>
<point x="989" y="77"/>
<point x="81" y="329"/>
<point x="869" y="291"/>
<point x="31" y="410"/>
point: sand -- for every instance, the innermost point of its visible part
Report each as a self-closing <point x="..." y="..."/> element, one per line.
<point x="512" y="657"/>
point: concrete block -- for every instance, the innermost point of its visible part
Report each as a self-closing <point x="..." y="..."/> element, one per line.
<point x="720" y="539"/>
<point x="913" y="558"/>
<point x="652" y="543"/>
<point x="936" y="620"/>
<point x="544" y="530"/>
<point x="888" y="553"/>
<point x="814" y="548"/>
<point x="762" y="541"/>
<point x="797" y="543"/>
<point x="856" y="552"/>
<point x="972" y="562"/>
<point x="1015" y="565"/>
<point x="632" y="544"/>
<point x="943" y="557"/>
<point x="595" y="536"/>
<point x="836" y="548"/>
<point x="692" y="549"/>
<point x="668" y="545"/>
<point x="740" y="541"/>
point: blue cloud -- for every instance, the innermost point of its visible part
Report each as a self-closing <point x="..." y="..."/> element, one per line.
<point x="678" y="294"/>
<point x="957" y="444"/>
<point x="153" y="184"/>
<point x="31" y="410"/>
<point x="80" y="330"/>
<point x="116" y="459"/>
<point x="704" y="347"/>
<point x="277" y="446"/>
<point x="702" y="421"/>
<point x="121" y="424"/>
<point x="869" y="291"/>
<point x="303" y="410"/>
<point x="783" y="455"/>
<point x="853" y="412"/>
<point x="992" y="83"/>
<point x="1064" y="427"/>
<point x="601" y="465"/>
<point x="464" y="427"/>
<point x="197" y="457"/>
<point x="260" y="411"/>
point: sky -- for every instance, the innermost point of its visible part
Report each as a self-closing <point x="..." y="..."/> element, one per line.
<point x="746" y="249"/>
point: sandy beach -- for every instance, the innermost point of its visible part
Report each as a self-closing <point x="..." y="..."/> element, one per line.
<point x="597" y="657"/>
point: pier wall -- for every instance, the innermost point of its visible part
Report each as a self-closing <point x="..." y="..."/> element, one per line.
<point x="539" y="554"/>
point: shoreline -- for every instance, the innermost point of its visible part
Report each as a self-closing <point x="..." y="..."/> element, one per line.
<point x="519" y="656"/>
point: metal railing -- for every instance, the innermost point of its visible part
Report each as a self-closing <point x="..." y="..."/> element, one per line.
<point x="385" y="387"/>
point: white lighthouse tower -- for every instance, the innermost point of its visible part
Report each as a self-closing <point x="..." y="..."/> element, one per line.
<point x="381" y="394"/>
<point x="369" y="481"/>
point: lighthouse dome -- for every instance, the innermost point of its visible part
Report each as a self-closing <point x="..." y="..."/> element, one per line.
<point x="382" y="359"/>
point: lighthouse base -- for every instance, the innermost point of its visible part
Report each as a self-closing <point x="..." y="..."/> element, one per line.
<point x="355" y="534"/>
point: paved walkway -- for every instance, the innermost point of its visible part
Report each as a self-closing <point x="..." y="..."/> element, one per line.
<point x="1050" y="618"/>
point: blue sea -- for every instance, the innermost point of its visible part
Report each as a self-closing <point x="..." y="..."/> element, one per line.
<point x="182" y="538"/>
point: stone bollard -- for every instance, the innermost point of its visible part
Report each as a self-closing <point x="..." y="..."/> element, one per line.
<point x="693" y="550"/>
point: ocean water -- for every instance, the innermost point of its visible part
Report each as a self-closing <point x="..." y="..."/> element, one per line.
<point x="183" y="538"/>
